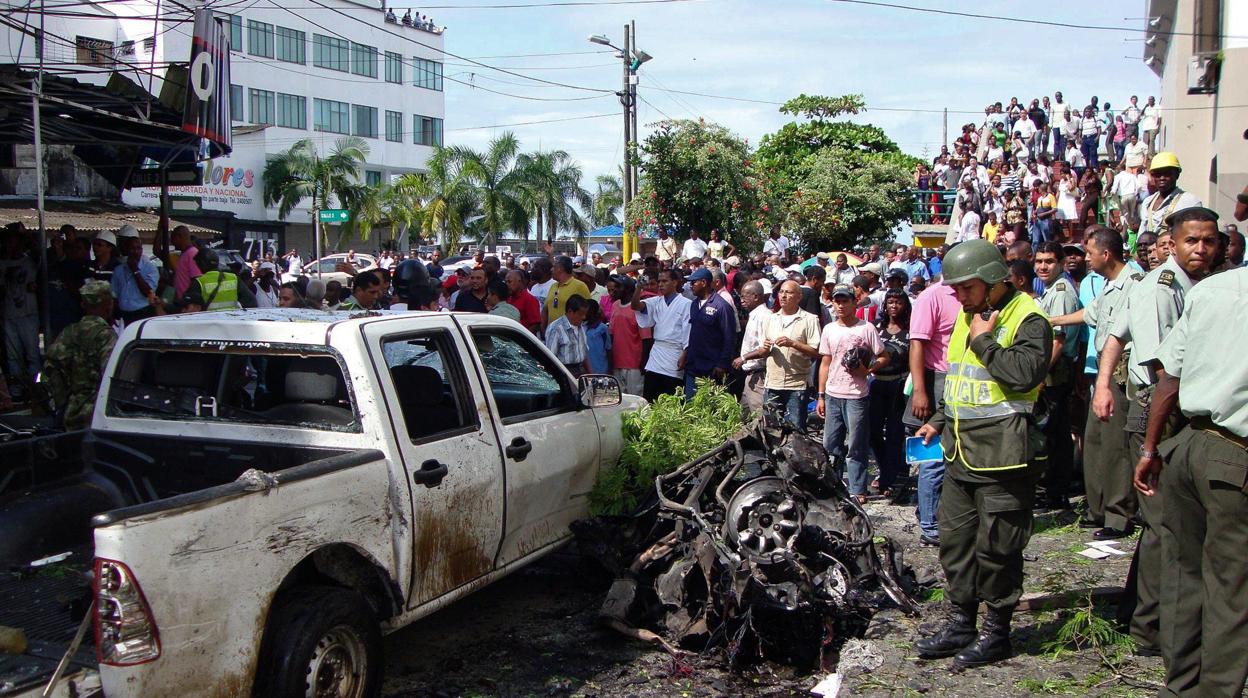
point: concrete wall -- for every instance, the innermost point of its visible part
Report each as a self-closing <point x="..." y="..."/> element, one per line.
<point x="1207" y="132"/>
<point x="64" y="175"/>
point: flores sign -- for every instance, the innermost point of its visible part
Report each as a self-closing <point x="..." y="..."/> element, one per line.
<point x="229" y="184"/>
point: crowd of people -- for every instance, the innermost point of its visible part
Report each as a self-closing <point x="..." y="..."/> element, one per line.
<point x="1045" y="171"/>
<point x="1027" y="356"/>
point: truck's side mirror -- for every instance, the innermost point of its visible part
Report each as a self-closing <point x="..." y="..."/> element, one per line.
<point x="600" y="390"/>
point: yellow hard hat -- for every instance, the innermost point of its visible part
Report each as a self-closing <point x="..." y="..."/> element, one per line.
<point x="1163" y="160"/>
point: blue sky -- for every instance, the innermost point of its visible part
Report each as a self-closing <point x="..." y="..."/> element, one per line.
<point x="771" y="51"/>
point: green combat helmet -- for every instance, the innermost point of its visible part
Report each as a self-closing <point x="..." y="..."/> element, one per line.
<point x="974" y="259"/>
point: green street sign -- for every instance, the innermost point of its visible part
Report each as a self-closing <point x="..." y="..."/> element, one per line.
<point x="335" y="215"/>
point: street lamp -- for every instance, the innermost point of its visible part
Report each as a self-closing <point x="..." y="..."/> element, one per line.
<point x="632" y="58"/>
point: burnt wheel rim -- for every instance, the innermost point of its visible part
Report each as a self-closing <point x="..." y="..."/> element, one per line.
<point x="338" y="665"/>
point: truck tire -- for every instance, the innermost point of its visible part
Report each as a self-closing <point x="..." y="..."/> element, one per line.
<point x="320" y="641"/>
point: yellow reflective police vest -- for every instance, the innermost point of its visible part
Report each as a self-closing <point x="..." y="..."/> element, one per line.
<point x="970" y="390"/>
<point x="221" y="288"/>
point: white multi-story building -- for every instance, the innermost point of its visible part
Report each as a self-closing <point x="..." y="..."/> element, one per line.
<point x="1199" y="50"/>
<point x="315" y="69"/>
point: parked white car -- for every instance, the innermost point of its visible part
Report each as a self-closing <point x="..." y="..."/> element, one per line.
<point x="327" y="267"/>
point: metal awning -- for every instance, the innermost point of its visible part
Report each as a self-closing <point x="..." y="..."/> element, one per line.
<point x="89" y="217"/>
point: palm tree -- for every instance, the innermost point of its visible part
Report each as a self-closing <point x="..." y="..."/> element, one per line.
<point x="301" y="173"/>
<point x="447" y="192"/>
<point x="497" y="185"/>
<point x="608" y="199"/>
<point x="553" y="182"/>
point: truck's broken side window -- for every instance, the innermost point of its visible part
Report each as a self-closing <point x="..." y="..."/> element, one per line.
<point x="273" y="388"/>
<point x="520" y="375"/>
<point x="426" y="385"/>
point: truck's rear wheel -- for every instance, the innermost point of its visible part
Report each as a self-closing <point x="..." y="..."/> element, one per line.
<point x="321" y="642"/>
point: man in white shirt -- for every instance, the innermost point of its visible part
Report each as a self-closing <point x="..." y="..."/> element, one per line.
<point x="776" y="244"/>
<point x="968" y="229"/>
<point x="1127" y="188"/>
<point x="1131" y="116"/>
<point x="668" y="315"/>
<point x="1059" y="117"/>
<point x="1074" y="157"/>
<point x="1025" y="128"/>
<point x="1150" y="124"/>
<point x="754" y="301"/>
<point x="695" y="247"/>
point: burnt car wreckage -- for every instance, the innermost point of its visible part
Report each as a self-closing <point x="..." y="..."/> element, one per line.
<point x="755" y="549"/>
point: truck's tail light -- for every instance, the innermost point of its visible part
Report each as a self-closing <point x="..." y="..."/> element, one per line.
<point x="125" y="631"/>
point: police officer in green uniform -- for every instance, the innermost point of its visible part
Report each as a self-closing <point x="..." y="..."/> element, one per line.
<point x="998" y="357"/>
<point x="1204" y="474"/>
<point x="1107" y="462"/>
<point x="1152" y="308"/>
<point x="1059" y="298"/>
<point x="215" y="289"/>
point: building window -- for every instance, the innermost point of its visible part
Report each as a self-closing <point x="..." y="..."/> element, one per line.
<point x="426" y="130"/>
<point x="1208" y="27"/>
<point x="236" y="103"/>
<point x="394" y="67"/>
<point x="236" y="32"/>
<point x="261" y="106"/>
<point x="428" y="74"/>
<point x="292" y="111"/>
<point x="331" y="116"/>
<point x="259" y="38"/>
<point x="149" y="44"/>
<point x="364" y="60"/>
<point x="394" y="126"/>
<point x="372" y="178"/>
<point x="332" y="53"/>
<point x="291" y="45"/>
<point x="365" y="120"/>
<point x="94" y="51"/>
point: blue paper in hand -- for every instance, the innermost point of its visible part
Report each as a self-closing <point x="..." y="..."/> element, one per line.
<point x="918" y="452"/>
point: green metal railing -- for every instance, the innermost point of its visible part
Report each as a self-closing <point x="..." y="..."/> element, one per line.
<point x="931" y="206"/>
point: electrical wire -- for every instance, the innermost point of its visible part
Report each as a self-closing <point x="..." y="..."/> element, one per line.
<point x="1025" y="20"/>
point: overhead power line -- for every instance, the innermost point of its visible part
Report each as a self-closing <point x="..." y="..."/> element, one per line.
<point x="1025" y="20"/>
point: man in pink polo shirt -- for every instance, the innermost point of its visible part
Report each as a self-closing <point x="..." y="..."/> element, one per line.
<point x="186" y="270"/>
<point x="931" y="324"/>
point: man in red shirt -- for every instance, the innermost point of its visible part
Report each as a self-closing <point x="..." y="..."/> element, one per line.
<point x="525" y="302"/>
<point x="628" y="340"/>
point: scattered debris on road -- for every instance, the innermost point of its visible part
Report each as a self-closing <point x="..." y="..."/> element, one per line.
<point x="756" y="549"/>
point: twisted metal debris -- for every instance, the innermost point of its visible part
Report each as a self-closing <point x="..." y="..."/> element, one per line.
<point x="756" y="549"/>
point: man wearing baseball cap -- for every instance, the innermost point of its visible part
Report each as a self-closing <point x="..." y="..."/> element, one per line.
<point x="1167" y="197"/>
<point x="76" y="359"/>
<point x="712" y="333"/>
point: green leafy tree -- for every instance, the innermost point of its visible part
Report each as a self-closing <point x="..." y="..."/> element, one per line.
<point x="699" y="176"/>
<point x="820" y="169"/>
<point x="498" y="187"/>
<point x="840" y="203"/>
<point x="302" y="173"/>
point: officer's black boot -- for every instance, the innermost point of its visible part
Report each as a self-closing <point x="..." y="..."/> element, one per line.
<point x="954" y="636"/>
<point x="993" y="643"/>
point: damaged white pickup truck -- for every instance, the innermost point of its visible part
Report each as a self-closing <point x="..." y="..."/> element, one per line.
<point x="283" y="487"/>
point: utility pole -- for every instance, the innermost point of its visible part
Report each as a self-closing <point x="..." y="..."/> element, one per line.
<point x="626" y="99"/>
<point x="944" y="134"/>
<point x="636" y="171"/>
<point x="45" y="319"/>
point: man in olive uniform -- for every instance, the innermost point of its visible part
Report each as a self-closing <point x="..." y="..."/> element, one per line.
<point x="1152" y="308"/>
<point x="998" y="358"/>
<point x="1204" y="518"/>
<point x="1107" y="463"/>
<point x="1059" y="298"/>
<point x="75" y="362"/>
